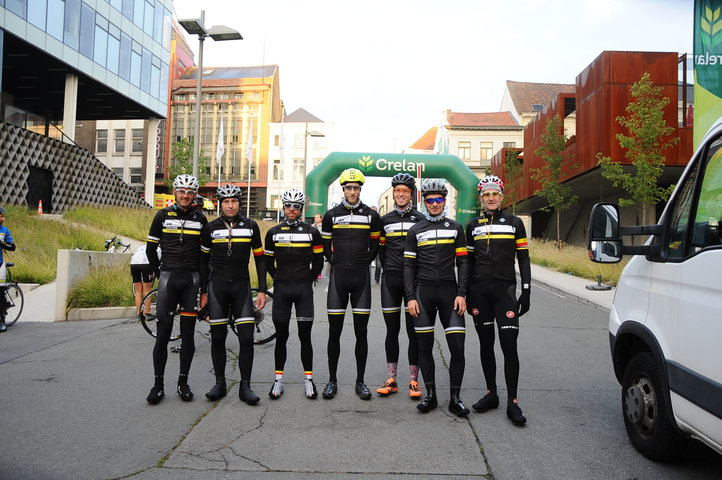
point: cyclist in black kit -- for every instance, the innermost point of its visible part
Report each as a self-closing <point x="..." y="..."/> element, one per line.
<point x="178" y="231"/>
<point x="294" y="256"/>
<point x="350" y="234"/>
<point x="494" y="240"/>
<point x="433" y="246"/>
<point x="395" y="225"/>
<point x="226" y="246"/>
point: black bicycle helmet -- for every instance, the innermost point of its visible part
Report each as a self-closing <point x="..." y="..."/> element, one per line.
<point x="434" y="185"/>
<point x="403" y="179"/>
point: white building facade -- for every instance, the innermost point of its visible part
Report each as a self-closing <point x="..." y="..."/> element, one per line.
<point x="297" y="146"/>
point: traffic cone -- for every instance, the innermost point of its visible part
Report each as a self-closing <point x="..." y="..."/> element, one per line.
<point x="40" y="207"/>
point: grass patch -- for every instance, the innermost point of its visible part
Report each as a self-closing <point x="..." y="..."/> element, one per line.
<point x="573" y="260"/>
<point x="110" y="286"/>
<point x="38" y="241"/>
<point x="101" y="288"/>
<point x="129" y="222"/>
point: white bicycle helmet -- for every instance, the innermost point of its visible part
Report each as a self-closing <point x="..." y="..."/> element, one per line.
<point x="228" y="191"/>
<point x="490" y="182"/>
<point x="434" y="185"/>
<point x="293" y="195"/>
<point x="185" y="181"/>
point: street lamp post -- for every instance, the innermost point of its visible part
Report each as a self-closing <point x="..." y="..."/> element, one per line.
<point x="305" y="149"/>
<point x="195" y="26"/>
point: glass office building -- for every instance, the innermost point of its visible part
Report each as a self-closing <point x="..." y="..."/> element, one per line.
<point x="118" y="49"/>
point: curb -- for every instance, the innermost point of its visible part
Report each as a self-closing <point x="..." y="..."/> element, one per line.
<point x="567" y="294"/>
<point x="104" y="313"/>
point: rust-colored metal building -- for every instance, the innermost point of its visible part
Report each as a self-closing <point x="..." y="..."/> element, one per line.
<point x="603" y="91"/>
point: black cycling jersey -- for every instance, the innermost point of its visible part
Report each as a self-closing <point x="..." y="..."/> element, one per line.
<point x="294" y="254"/>
<point x="494" y="241"/>
<point x="178" y="231"/>
<point x="394" y="227"/>
<point x="351" y="236"/>
<point x="432" y="249"/>
<point x="226" y="245"/>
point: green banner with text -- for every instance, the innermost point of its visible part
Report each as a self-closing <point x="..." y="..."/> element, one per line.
<point x="707" y="66"/>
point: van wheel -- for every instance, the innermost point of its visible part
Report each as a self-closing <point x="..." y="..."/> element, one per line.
<point x="644" y="408"/>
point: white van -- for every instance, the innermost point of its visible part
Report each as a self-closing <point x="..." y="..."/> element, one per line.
<point x="665" y="327"/>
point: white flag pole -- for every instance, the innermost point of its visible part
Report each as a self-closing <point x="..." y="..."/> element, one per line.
<point x="249" y="156"/>
<point x="220" y="150"/>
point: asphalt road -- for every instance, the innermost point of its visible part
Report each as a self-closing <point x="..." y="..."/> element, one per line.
<point x="72" y="406"/>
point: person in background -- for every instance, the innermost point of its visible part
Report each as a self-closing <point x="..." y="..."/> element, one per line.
<point x="143" y="276"/>
<point x="6" y="243"/>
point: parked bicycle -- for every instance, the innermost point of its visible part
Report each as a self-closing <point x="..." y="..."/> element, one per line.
<point x="264" y="331"/>
<point x="115" y="245"/>
<point x="14" y="298"/>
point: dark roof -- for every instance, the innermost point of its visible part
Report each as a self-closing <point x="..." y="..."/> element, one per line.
<point x="224" y="73"/>
<point x="302" y="116"/>
<point x="525" y="94"/>
<point x="492" y="119"/>
<point x="427" y="140"/>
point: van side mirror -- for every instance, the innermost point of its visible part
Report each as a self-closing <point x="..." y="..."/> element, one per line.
<point x="605" y="240"/>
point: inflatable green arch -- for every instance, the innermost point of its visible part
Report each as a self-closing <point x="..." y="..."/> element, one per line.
<point x="449" y="167"/>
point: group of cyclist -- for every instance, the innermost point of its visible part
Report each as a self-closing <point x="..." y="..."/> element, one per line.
<point x="430" y="263"/>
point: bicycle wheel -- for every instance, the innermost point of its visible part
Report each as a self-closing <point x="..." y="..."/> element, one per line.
<point x="265" y="331"/>
<point x="15" y="302"/>
<point x="148" y="320"/>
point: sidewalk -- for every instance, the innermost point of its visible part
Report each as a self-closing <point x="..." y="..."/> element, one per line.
<point x="571" y="287"/>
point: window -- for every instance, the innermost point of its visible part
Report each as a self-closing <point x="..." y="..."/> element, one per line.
<point x="87" y="31"/>
<point x="298" y="168"/>
<point x="137" y="140"/>
<point x="56" y="16"/>
<point x="509" y="144"/>
<point x="465" y="151"/>
<point x="17" y="7"/>
<point x="486" y="148"/>
<point x="72" y="23"/>
<point x="537" y="107"/>
<point x="136" y="176"/>
<point x="119" y="172"/>
<point x="145" y="69"/>
<point x="135" y="64"/>
<point x="101" y="40"/>
<point x="277" y="173"/>
<point x="101" y="143"/>
<point x="705" y="219"/>
<point x="119" y="140"/>
<point x="36" y="13"/>
<point x="113" y="48"/>
<point x="124" y="60"/>
<point x="276" y="139"/>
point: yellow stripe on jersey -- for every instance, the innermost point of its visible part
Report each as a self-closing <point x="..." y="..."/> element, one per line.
<point x="364" y="227"/>
<point x="318" y="249"/>
<point x="178" y="231"/>
<point x="233" y="240"/>
<point x="294" y="245"/>
<point x="436" y="241"/>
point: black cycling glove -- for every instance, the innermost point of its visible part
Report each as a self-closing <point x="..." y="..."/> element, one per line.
<point x="524" y="301"/>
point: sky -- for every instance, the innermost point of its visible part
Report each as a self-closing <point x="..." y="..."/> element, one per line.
<point x="383" y="72"/>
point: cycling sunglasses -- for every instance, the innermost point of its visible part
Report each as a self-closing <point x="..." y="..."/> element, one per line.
<point x="491" y="194"/>
<point x="297" y="206"/>
<point x="431" y="201"/>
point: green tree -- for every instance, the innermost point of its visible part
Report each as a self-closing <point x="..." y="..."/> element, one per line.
<point x="183" y="156"/>
<point x="513" y="170"/>
<point x="559" y="196"/>
<point x="645" y="146"/>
